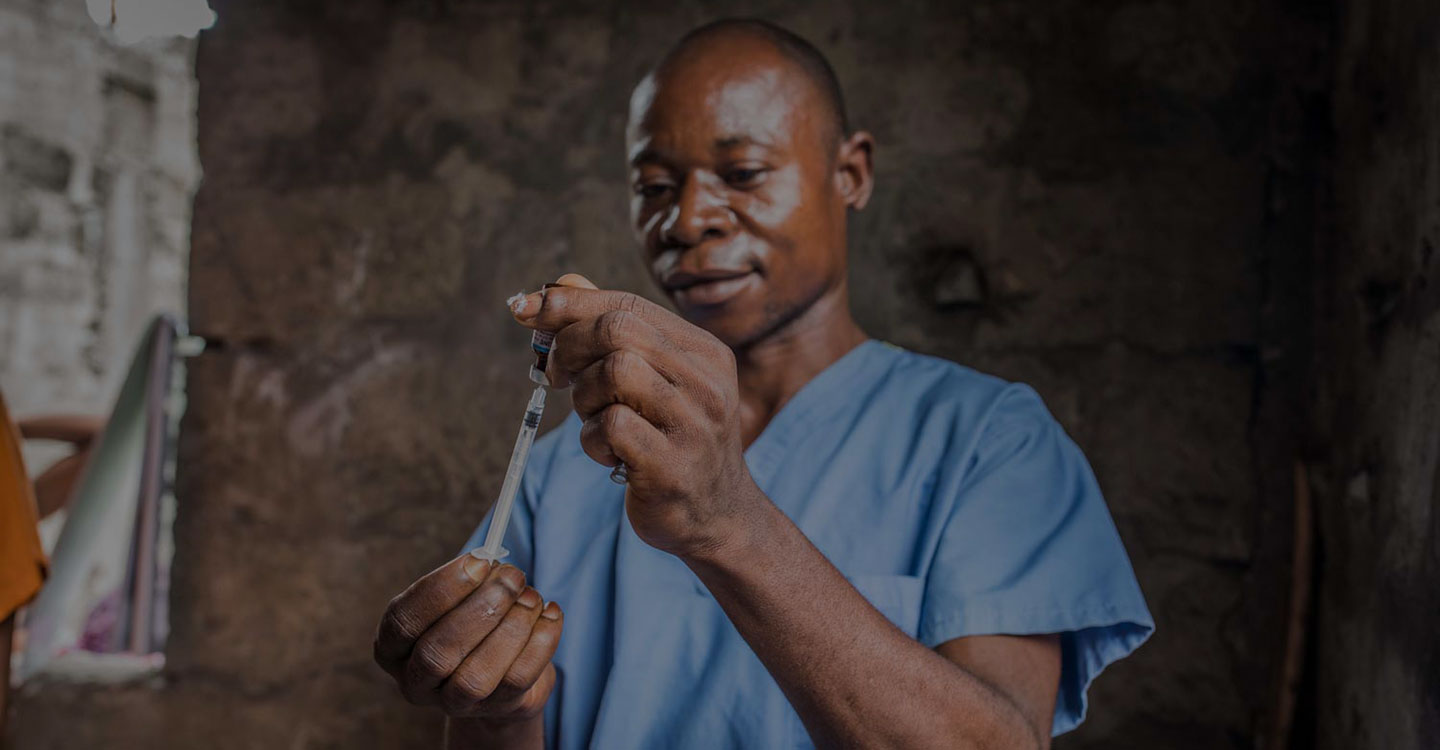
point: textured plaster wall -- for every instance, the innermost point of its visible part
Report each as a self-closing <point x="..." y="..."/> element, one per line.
<point x="1378" y="407"/>
<point x="97" y="171"/>
<point x="1109" y="200"/>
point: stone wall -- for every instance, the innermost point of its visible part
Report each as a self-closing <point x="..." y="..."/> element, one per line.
<point x="1112" y="201"/>
<point x="97" y="171"/>
<point x="1377" y="408"/>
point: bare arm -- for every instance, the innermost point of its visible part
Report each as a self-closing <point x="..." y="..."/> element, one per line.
<point x="54" y="485"/>
<point x="858" y="681"/>
<point x="469" y="734"/>
<point x="78" y="429"/>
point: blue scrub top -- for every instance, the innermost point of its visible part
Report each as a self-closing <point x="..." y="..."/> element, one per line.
<point x="952" y="500"/>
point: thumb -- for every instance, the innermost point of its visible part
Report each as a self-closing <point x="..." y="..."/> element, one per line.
<point x="575" y="279"/>
<point x="526" y="306"/>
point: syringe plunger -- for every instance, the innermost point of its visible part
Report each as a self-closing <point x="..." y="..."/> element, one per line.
<point x="500" y="520"/>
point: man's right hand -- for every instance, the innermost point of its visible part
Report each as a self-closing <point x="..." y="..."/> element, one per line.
<point x="472" y="638"/>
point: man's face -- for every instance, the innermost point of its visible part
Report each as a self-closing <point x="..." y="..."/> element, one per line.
<point x="734" y="205"/>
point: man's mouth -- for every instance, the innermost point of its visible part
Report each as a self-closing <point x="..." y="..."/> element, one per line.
<point x="711" y="286"/>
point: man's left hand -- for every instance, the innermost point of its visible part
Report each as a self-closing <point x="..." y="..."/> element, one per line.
<point x="659" y="394"/>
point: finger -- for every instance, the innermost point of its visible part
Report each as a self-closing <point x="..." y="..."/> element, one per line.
<point x="446" y="643"/>
<point x="578" y="345"/>
<point x="522" y="301"/>
<point x="556" y="307"/>
<point x="617" y="433"/>
<point x="557" y="375"/>
<point x="411" y="613"/>
<point x="530" y="665"/>
<point x="482" y="670"/>
<point x="624" y="377"/>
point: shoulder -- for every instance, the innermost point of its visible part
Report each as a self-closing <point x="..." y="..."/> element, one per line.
<point x="954" y="392"/>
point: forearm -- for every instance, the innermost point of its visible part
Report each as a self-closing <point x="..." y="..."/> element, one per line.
<point x="854" y="678"/>
<point x="478" y="734"/>
<point x="69" y="428"/>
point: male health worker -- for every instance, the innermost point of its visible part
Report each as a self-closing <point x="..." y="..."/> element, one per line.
<point x="824" y="540"/>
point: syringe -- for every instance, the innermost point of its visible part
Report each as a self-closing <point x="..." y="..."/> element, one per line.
<point x="540" y="343"/>
<point x="495" y="538"/>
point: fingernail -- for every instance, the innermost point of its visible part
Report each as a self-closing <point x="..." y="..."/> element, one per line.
<point x="528" y="305"/>
<point x="551" y="611"/>
<point x="476" y="568"/>
<point x="509" y="582"/>
<point x="516" y="303"/>
<point x="530" y="598"/>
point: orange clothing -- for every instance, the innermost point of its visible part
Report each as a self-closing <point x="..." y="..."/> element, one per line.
<point x="22" y="560"/>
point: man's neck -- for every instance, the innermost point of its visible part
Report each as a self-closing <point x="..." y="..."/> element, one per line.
<point x="775" y="368"/>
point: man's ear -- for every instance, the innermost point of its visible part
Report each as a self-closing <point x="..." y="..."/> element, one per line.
<point x="855" y="170"/>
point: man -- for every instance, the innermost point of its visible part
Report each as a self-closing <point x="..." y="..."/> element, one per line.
<point x="22" y="560"/>
<point x="823" y="539"/>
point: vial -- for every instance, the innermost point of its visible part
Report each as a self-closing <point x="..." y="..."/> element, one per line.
<point x="540" y="343"/>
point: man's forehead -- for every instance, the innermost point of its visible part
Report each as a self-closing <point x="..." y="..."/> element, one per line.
<point x="725" y="101"/>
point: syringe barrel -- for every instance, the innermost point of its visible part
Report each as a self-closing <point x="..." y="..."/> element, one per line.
<point x="500" y="521"/>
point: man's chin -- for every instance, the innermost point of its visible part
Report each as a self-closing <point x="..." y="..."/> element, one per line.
<point x="744" y="319"/>
<point x="740" y="329"/>
<point x="737" y="328"/>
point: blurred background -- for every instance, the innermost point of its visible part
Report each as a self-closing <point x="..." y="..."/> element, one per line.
<point x="1204" y="231"/>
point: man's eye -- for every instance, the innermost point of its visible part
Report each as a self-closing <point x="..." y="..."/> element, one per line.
<point x="651" y="190"/>
<point x="744" y="177"/>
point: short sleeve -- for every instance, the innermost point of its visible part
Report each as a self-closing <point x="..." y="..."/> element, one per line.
<point x="1029" y="548"/>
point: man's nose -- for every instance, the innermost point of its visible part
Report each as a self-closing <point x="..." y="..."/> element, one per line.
<point x="699" y="213"/>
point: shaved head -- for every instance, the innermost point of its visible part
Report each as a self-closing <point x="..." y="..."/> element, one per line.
<point x="743" y="172"/>
<point x="808" y="60"/>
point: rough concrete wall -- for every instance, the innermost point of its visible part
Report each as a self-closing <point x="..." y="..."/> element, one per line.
<point x="1378" y="407"/>
<point x="97" y="170"/>
<point x="1108" y="200"/>
<point x="98" y="167"/>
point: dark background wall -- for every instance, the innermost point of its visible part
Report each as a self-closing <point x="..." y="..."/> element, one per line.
<point x="1120" y="203"/>
<point x="1377" y="410"/>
